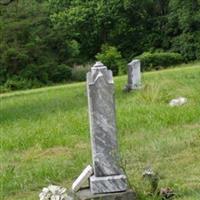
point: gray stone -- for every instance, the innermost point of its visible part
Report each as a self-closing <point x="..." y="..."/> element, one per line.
<point x="86" y="194"/>
<point x="108" y="183"/>
<point x="103" y="130"/>
<point x="134" y="75"/>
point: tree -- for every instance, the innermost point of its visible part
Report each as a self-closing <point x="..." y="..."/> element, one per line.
<point x="6" y="2"/>
<point x="40" y="35"/>
<point x="184" y="27"/>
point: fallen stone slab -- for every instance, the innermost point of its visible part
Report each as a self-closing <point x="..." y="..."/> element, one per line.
<point x="84" y="176"/>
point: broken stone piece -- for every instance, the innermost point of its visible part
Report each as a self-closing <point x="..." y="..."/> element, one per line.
<point x="84" y="176"/>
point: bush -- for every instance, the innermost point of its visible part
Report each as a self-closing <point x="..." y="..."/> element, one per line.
<point x="15" y="60"/>
<point x="112" y="58"/>
<point x="79" y="73"/>
<point x="61" y="73"/>
<point x="3" y="73"/>
<point x="34" y="76"/>
<point x="3" y="89"/>
<point x="38" y="72"/>
<point x="151" y="61"/>
<point x="17" y="83"/>
<point x="47" y="73"/>
<point x="188" y="44"/>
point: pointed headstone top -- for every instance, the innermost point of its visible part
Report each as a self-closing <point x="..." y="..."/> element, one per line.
<point x="98" y="65"/>
<point x="99" y="70"/>
<point x="133" y="62"/>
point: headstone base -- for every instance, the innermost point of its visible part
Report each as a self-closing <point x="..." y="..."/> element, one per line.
<point x="85" y="194"/>
<point x="107" y="184"/>
<point x="129" y="88"/>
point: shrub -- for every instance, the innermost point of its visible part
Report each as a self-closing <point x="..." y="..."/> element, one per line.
<point x="3" y="73"/>
<point x="61" y="73"/>
<point x="112" y="58"/>
<point x="17" y="83"/>
<point x="38" y="72"/>
<point x="14" y="60"/>
<point x="3" y="89"/>
<point x="188" y="44"/>
<point x="150" y="61"/>
<point x="79" y="73"/>
<point x="47" y="73"/>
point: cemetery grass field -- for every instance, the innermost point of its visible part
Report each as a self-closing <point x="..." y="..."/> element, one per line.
<point x="45" y="135"/>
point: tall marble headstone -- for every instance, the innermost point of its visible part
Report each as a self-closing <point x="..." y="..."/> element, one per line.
<point x="108" y="176"/>
<point x="134" y="75"/>
<point x="107" y="180"/>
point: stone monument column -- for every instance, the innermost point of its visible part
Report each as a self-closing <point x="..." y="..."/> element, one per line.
<point x="107" y="180"/>
<point x="108" y="176"/>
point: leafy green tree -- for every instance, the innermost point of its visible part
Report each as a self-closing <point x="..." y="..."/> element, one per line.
<point x="6" y="2"/>
<point x="41" y="36"/>
<point x="184" y="27"/>
<point x="112" y="58"/>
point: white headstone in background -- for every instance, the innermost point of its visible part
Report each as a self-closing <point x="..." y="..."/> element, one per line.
<point x="134" y="75"/>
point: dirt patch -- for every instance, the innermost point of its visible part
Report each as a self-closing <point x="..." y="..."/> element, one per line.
<point x="81" y="145"/>
<point x="35" y="153"/>
<point x="192" y="126"/>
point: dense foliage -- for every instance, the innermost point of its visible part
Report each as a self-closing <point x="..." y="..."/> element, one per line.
<point x="111" y="58"/>
<point x="159" y="60"/>
<point x="42" y="40"/>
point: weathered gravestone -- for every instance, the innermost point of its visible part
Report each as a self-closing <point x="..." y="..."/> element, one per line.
<point x="108" y="176"/>
<point x="108" y="180"/>
<point x="134" y="76"/>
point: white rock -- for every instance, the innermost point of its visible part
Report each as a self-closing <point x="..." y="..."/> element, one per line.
<point x="84" y="176"/>
<point x="148" y="172"/>
<point x="178" y="102"/>
<point x="53" y="192"/>
<point x="45" y="190"/>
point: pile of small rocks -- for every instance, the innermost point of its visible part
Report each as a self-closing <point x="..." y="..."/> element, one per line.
<point x="53" y="192"/>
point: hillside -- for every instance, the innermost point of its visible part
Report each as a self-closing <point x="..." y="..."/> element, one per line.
<point x="45" y="135"/>
<point x="47" y="42"/>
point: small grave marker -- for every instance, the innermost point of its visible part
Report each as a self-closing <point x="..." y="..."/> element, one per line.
<point x="134" y="76"/>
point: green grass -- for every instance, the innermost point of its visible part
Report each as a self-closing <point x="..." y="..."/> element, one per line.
<point x="45" y="135"/>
